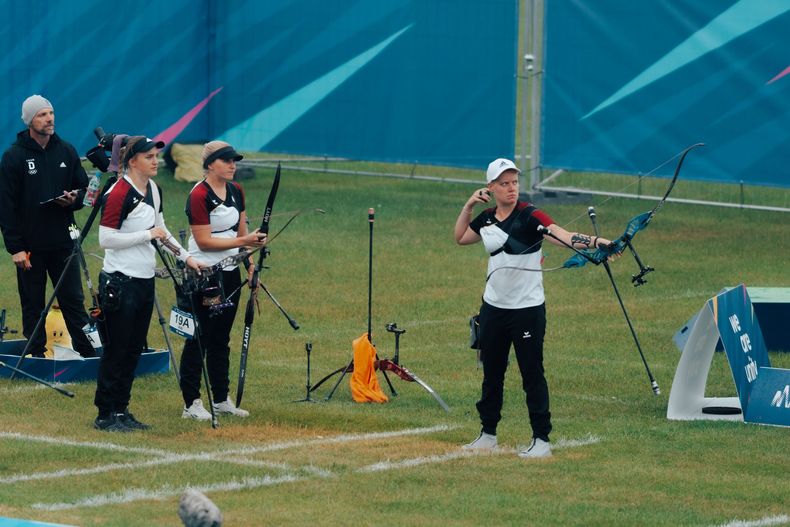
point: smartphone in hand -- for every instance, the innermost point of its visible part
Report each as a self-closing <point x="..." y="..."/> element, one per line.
<point x="53" y="200"/>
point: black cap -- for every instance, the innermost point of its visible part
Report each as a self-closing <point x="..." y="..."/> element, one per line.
<point x="226" y="152"/>
<point x="141" y="145"/>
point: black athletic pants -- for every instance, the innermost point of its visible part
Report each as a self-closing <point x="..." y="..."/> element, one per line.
<point x="214" y="338"/>
<point x="524" y="329"/>
<point x="32" y="286"/>
<point x="126" y="330"/>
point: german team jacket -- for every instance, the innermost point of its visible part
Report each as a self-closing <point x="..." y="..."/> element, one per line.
<point x="29" y="176"/>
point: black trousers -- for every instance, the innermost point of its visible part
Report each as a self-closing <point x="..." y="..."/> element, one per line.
<point x="214" y="338"/>
<point x="126" y="329"/>
<point x="32" y="286"/>
<point x="524" y="329"/>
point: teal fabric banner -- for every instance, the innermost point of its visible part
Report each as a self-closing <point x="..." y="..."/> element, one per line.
<point x="629" y="84"/>
<point x="426" y="81"/>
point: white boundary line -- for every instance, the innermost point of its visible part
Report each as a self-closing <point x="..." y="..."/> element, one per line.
<point x="62" y="441"/>
<point x="167" y="458"/>
<point x="417" y="461"/>
<point x="458" y="454"/>
<point x="166" y="492"/>
<point x="763" y="522"/>
<point x="23" y="388"/>
<point x="290" y="474"/>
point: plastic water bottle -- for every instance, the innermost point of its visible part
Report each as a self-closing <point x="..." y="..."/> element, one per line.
<point x="93" y="190"/>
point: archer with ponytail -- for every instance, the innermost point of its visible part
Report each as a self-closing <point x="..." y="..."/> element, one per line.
<point x="218" y="222"/>
<point x="131" y="219"/>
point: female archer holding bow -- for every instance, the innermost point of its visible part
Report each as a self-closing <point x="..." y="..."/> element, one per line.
<point x="218" y="223"/>
<point x="513" y="309"/>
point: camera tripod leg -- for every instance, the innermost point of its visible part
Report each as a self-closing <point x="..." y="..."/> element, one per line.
<point x="34" y="378"/>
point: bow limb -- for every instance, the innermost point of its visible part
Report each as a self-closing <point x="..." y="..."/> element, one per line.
<point x="406" y="375"/>
<point x="249" y="313"/>
<point x="635" y="224"/>
<point x="661" y="202"/>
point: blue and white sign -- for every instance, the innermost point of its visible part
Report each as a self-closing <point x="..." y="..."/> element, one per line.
<point x="741" y="337"/>
<point x="763" y="391"/>
<point x="769" y="401"/>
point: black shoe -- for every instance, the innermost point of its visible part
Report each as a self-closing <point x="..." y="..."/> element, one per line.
<point x="111" y="423"/>
<point x="130" y="422"/>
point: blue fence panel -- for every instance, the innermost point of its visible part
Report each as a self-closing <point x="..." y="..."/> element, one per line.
<point x="628" y="84"/>
<point x="391" y="80"/>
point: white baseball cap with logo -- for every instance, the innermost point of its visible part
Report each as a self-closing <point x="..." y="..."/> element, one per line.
<point x="497" y="166"/>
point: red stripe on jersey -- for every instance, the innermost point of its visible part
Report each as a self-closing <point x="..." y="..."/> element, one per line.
<point x="542" y="217"/>
<point x="198" y="205"/>
<point x="112" y="209"/>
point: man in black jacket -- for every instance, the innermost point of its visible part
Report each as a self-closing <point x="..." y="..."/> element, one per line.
<point x="42" y="183"/>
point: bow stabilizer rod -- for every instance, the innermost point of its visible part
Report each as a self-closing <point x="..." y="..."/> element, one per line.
<point x="653" y="383"/>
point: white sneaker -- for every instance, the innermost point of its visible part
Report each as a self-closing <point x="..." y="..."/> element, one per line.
<point x="227" y="407"/>
<point x="196" y="411"/>
<point x="537" y="449"/>
<point x="483" y="442"/>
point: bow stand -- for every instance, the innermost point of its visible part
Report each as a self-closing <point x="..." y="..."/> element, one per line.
<point x="343" y="370"/>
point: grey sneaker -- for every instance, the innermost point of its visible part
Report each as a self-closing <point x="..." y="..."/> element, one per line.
<point x="537" y="449"/>
<point x="227" y="407"/>
<point x="483" y="442"/>
<point x="196" y="411"/>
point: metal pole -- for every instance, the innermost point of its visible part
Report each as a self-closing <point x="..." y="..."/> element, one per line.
<point x="524" y="84"/>
<point x="537" y="52"/>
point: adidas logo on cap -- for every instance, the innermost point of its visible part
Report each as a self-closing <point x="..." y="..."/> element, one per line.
<point x="497" y="166"/>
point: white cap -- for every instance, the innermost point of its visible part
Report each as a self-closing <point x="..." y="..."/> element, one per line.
<point x="497" y="166"/>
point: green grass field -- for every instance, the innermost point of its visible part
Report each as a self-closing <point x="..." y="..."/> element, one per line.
<point x="617" y="459"/>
